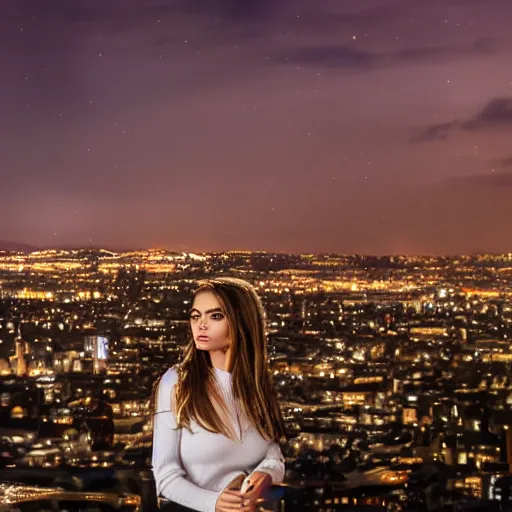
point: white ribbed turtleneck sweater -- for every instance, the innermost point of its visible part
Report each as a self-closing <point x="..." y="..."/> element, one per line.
<point x="193" y="469"/>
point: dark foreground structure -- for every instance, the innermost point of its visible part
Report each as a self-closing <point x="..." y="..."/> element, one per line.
<point x="97" y="490"/>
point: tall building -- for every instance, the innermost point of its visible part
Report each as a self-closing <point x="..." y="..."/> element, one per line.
<point x="98" y="347"/>
<point x="18" y="361"/>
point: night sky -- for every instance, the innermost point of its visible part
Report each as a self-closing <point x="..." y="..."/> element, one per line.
<point x="282" y="125"/>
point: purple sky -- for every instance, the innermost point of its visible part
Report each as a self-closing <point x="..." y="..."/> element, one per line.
<point x="370" y="126"/>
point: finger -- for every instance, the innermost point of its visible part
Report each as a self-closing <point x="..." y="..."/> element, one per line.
<point x="236" y="494"/>
<point x="230" y="499"/>
<point x="236" y="482"/>
<point x="252" y="495"/>
<point x="247" y="506"/>
<point x="249" y="489"/>
<point x="232" y="508"/>
<point x="233" y="492"/>
<point x="238" y="508"/>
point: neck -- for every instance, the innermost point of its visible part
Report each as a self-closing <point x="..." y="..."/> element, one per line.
<point x="220" y="359"/>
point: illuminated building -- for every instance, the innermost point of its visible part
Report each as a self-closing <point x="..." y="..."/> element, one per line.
<point x="18" y="361"/>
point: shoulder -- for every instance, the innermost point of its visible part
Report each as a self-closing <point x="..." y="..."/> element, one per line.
<point x="164" y="388"/>
<point x="169" y="379"/>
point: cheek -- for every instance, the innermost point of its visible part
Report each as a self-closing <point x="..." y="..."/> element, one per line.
<point x="222" y="330"/>
<point x="227" y="332"/>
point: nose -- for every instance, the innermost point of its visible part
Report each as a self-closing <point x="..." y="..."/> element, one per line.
<point x="202" y="323"/>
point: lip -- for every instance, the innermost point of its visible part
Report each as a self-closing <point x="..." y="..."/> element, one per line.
<point x="203" y="338"/>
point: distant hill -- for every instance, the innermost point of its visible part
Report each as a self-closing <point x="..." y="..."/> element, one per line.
<point x="14" y="246"/>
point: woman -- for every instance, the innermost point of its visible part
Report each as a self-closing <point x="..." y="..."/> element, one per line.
<point x="218" y="420"/>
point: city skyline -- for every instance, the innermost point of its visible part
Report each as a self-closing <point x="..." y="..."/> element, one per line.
<point x="392" y="376"/>
<point x="376" y="128"/>
<point x="9" y="247"/>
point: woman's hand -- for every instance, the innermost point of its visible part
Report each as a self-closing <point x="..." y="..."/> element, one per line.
<point x="259" y="482"/>
<point x="231" y="497"/>
<point x="236" y="483"/>
<point x="230" y="500"/>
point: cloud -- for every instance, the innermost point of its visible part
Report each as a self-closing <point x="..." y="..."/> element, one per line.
<point x="331" y="56"/>
<point x="437" y="131"/>
<point x="248" y="10"/>
<point x="345" y="56"/>
<point x="312" y="16"/>
<point x="255" y="10"/>
<point x="421" y="53"/>
<point x="496" y="114"/>
<point x="506" y="162"/>
<point x="490" y="179"/>
<point x="483" y="45"/>
<point x="502" y="162"/>
<point x="373" y="14"/>
<point x="133" y="13"/>
<point x="477" y="2"/>
<point x="232" y="8"/>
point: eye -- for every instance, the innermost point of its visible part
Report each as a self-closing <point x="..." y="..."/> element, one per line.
<point x="194" y="317"/>
<point x="217" y="316"/>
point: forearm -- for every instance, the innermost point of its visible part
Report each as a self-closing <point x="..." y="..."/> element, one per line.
<point x="176" y="487"/>
<point x="179" y="489"/>
<point x="273" y="463"/>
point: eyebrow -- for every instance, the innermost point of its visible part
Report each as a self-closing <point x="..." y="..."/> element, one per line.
<point x="214" y="310"/>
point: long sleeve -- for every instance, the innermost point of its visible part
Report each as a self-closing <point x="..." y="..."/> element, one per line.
<point x="273" y="463"/>
<point x="170" y="477"/>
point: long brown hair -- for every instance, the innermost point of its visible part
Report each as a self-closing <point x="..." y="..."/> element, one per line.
<point x="251" y="379"/>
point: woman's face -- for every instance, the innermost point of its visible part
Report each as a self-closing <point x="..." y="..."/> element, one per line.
<point x="209" y="324"/>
